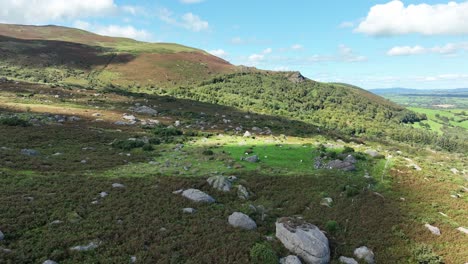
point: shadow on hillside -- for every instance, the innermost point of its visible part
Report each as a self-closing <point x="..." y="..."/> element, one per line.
<point x="47" y="53"/>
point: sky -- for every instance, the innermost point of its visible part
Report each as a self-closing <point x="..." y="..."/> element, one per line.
<point x="368" y="43"/>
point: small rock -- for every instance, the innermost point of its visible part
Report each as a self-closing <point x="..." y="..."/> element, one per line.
<point x="2" y="236"/>
<point x="454" y="171"/>
<point x="103" y="194"/>
<point x="189" y="210"/>
<point x="290" y="260"/>
<point x="56" y="222"/>
<point x="241" y="220"/>
<point x="29" y="152"/>
<point x="90" y="246"/>
<point x="220" y="183"/>
<point x="340" y="165"/>
<point x="177" y="123"/>
<point x="434" y="230"/>
<point x="118" y="185"/>
<point x="5" y="250"/>
<point x="463" y="229"/>
<point x="351" y="159"/>
<point x="144" y="110"/>
<point x="133" y="259"/>
<point x="252" y="159"/>
<point x="346" y="260"/>
<point x="96" y="114"/>
<point x="178" y="191"/>
<point x="327" y="202"/>
<point x="49" y="262"/>
<point x="242" y="192"/>
<point x="247" y="134"/>
<point x="129" y="117"/>
<point x="364" y="253"/>
<point x="373" y="153"/>
<point x="198" y="196"/>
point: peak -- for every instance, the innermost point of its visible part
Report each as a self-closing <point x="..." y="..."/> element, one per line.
<point x="296" y="77"/>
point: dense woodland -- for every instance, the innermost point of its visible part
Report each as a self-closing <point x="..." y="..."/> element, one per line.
<point x="341" y="107"/>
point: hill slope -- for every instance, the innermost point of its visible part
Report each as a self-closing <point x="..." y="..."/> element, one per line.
<point x="63" y="55"/>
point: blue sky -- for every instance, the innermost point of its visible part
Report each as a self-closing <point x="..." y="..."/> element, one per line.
<point x="372" y="44"/>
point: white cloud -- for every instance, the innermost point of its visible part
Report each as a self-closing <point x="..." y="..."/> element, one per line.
<point x="347" y="54"/>
<point x="447" y="49"/>
<point x="267" y="51"/>
<point x="114" y="30"/>
<point x="188" y="21"/>
<point x="394" y="18"/>
<point x="219" y="53"/>
<point x="297" y="47"/>
<point x="191" y="1"/>
<point x="346" y="24"/>
<point x="44" y="11"/>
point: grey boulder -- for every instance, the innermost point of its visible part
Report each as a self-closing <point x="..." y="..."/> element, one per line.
<point x="241" y="220"/>
<point x="303" y="239"/>
<point x="221" y="183"/>
<point x="290" y="260"/>
<point x="29" y="152"/>
<point x="197" y="196"/>
<point x="340" y="165"/>
<point x="252" y="159"/>
<point x="365" y="254"/>
<point x="346" y="260"/>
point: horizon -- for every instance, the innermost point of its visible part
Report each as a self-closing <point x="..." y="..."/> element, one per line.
<point x="359" y="42"/>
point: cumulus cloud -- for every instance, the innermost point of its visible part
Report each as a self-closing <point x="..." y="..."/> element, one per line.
<point x="114" y="30"/>
<point x="219" y="53"/>
<point x="44" y="11"/>
<point x="447" y="49"/>
<point x="348" y="55"/>
<point x="188" y="21"/>
<point x="394" y="18"/>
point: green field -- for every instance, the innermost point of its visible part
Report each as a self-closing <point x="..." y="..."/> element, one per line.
<point x="437" y="119"/>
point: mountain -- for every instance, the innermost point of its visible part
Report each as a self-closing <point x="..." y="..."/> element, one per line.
<point x="64" y="55"/>
<point x="383" y="91"/>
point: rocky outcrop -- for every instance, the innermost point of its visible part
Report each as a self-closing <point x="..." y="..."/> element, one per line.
<point x="221" y="183"/>
<point x="303" y="239"/>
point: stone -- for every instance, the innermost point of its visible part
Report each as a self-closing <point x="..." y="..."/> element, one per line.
<point x="178" y="191"/>
<point x="189" y="210"/>
<point x="49" y="262"/>
<point x="242" y="192"/>
<point x="373" y="153"/>
<point x="198" y="196"/>
<point x="240" y="220"/>
<point x="454" y="171"/>
<point x="144" y="110"/>
<point x="252" y="159"/>
<point x="220" y="183"/>
<point x="340" y="165"/>
<point x="247" y="134"/>
<point x="461" y="229"/>
<point x="133" y="259"/>
<point x="327" y="201"/>
<point x="177" y="123"/>
<point x="351" y="159"/>
<point x="118" y="185"/>
<point x="2" y="236"/>
<point x="434" y="230"/>
<point x="129" y="117"/>
<point x="29" y="152"/>
<point x="290" y="260"/>
<point x="303" y="239"/>
<point x="346" y="260"/>
<point x="91" y="246"/>
<point x="365" y="254"/>
<point x="103" y="194"/>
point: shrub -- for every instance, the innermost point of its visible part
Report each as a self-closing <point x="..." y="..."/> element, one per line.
<point x="128" y="144"/>
<point x="166" y="131"/>
<point x="155" y="141"/>
<point x="208" y="152"/>
<point x="14" y="121"/>
<point x="351" y="191"/>
<point x="263" y="253"/>
<point x="148" y="147"/>
<point x="423" y="254"/>
<point x="331" y="226"/>
<point x="348" y="150"/>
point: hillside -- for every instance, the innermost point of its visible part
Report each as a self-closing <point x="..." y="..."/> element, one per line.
<point x="53" y="54"/>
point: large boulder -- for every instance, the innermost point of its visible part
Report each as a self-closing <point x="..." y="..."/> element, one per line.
<point x="290" y="260"/>
<point x="197" y="196"/>
<point x="144" y="110"/>
<point x="241" y="220"/>
<point x="252" y="159"/>
<point x="365" y="254"/>
<point x="340" y="165"/>
<point x="303" y="239"/>
<point x="221" y="183"/>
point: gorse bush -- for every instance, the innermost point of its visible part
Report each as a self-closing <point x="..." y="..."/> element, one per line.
<point x="14" y="121"/>
<point x="424" y="254"/>
<point x="263" y="253"/>
<point x="128" y="144"/>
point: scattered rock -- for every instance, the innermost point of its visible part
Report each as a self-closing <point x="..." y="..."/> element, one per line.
<point x="2" y="236"/>
<point x="346" y="260"/>
<point x="221" y="183"/>
<point x="340" y="165"/>
<point x="144" y="110"/>
<point x="364" y="253"/>
<point x="434" y="230"/>
<point x="461" y="229"/>
<point x="290" y="260"/>
<point x="49" y="262"/>
<point x="90" y="246"/>
<point x="454" y="171"/>
<point x="178" y="191"/>
<point x="29" y="152"/>
<point x="133" y="259"/>
<point x="56" y="222"/>
<point x="351" y="159"/>
<point x="241" y="220"/>
<point x="129" y="117"/>
<point x="327" y="202"/>
<point x="198" y="196"/>
<point x="177" y="123"/>
<point x="118" y="185"/>
<point x="242" y="192"/>
<point x="103" y="194"/>
<point x="303" y="239"/>
<point x="247" y="134"/>
<point x="373" y="153"/>
<point x="189" y="210"/>
<point x="252" y="159"/>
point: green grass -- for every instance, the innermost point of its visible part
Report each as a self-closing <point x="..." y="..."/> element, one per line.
<point x="436" y="124"/>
